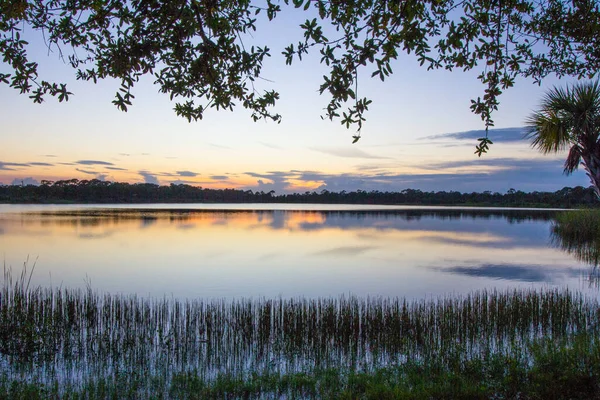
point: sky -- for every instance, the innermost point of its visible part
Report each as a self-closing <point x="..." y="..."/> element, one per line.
<point x="419" y="133"/>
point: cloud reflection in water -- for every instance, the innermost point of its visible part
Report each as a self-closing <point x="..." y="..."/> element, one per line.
<point x="220" y="253"/>
<point x="515" y="272"/>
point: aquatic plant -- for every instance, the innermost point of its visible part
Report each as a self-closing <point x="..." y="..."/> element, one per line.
<point x="65" y="337"/>
<point x="578" y="233"/>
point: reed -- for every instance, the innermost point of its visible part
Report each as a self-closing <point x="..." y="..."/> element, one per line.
<point x="578" y="233"/>
<point x="582" y="225"/>
<point x="67" y="338"/>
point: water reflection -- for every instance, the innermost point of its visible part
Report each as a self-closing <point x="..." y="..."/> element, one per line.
<point x="586" y="250"/>
<point x="448" y="221"/>
<point x="345" y="251"/>
<point x="578" y="234"/>
<point x="516" y="272"/>
<point x="229" y="253"/>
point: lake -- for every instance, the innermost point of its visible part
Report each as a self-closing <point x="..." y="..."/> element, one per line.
<point x="276" y="250"/>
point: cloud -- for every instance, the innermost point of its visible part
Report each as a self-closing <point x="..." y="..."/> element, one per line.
<point x="97" y="175"/>
<point x="516" y="134"/>
<point x="183" y="182"/>
<point x="149" y="177"/>
<point x="496" y="175"/>
<point x="219" y="177"/>
<point x="370" y="167"/>
<point x="503" y="163"/>
<point x="348" y="152"/>
<point x="496" y="181"/>
<point x="187" y="174"/>
<point x="84" y="171"/>
<point x="8" y="166"/>
<point x="12" y="166"/>
<point x="269" y="145"/>
<point x="25" y="181"/>
<point x="351" y="182"/>
<point x="116" y="168"/>
<point x="50" y="155"/>
<point x="93" y="162"/>
<point x="219" y="146"/>
<point x="279" y="181"/>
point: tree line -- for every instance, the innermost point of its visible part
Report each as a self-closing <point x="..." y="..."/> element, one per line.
<point x="105" y="192"/>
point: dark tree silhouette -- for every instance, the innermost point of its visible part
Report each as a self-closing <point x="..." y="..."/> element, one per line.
<point x="195" y="49"/>
<point x="570" y="118"/>
<point x="95" y="191"/>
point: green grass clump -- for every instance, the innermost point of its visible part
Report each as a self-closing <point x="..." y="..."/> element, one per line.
<point x="582" y="225"/>
<point x="578" y="233"/>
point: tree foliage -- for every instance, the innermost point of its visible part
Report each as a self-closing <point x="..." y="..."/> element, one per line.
<point x="570" y="118"/>
<point x="195" y="49"/>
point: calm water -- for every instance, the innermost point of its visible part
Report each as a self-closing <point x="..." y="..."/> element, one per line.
<point x="271" y="250"/>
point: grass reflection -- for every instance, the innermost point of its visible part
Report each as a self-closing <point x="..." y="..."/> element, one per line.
<point x="578" y="233"/>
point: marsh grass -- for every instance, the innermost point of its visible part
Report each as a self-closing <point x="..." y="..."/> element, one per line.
<point x="578" y="233"/>
<point x="75" y="340"/>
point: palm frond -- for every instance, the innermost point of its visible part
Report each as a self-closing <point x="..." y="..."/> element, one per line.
<point x="573" y="160"/>
<point x="566" y="116"/>
<point x="586" y="111"/>
<point x="548" y="132"/>
<point x="570" y="117"/>
<point x="558" y="101"/>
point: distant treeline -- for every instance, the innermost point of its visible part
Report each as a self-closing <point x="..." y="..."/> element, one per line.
<point x="96" y="191"/>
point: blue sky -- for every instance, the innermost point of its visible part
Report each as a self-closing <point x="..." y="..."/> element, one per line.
<point x="419" y="133"/>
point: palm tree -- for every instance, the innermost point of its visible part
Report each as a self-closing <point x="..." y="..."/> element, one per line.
<point x="570" y="118"/>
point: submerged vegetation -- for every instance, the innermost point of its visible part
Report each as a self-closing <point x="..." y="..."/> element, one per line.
<point x="79" y="343"/>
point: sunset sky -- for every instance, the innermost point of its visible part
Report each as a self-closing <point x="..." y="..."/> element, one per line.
<point x="419" y="133"/>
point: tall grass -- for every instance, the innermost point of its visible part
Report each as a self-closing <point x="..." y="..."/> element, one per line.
<point x="578" y="233"/>
<point x="68" y="337"/>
